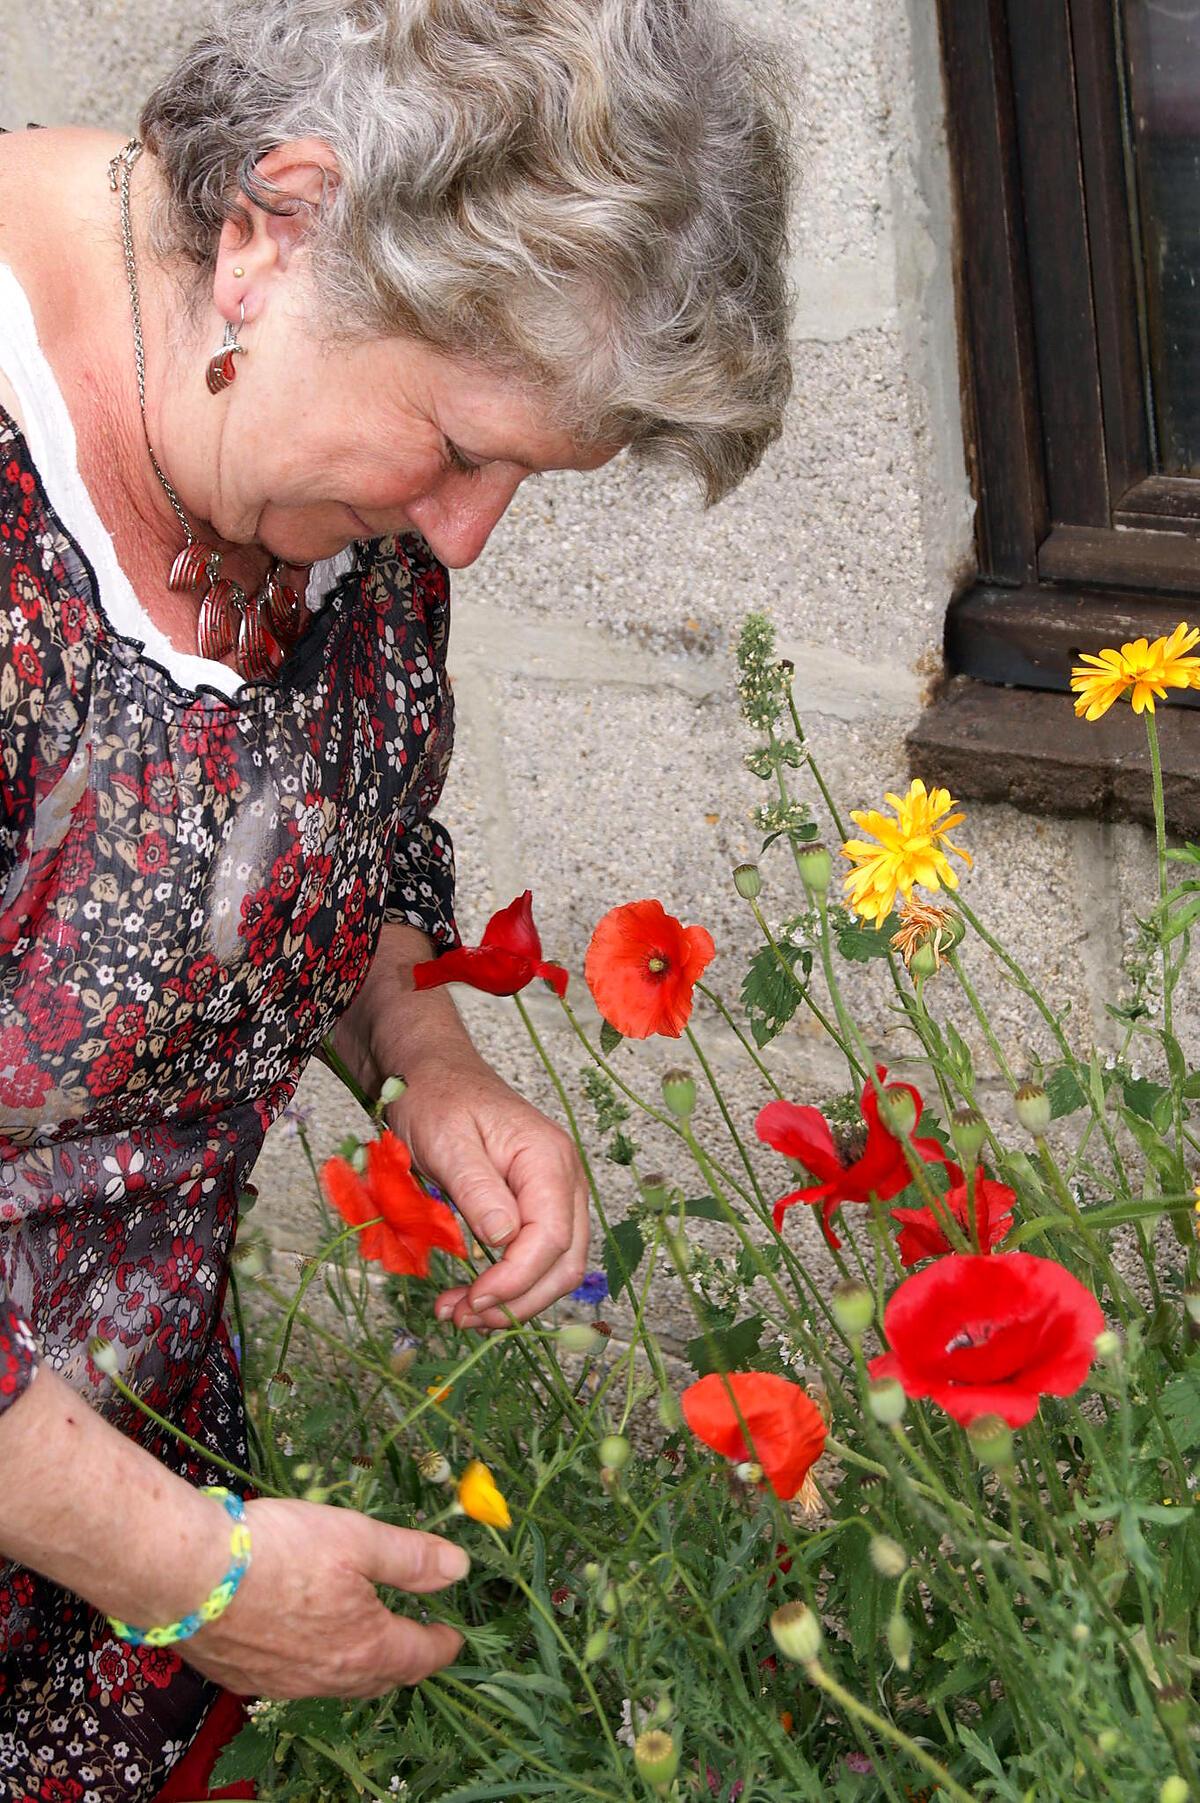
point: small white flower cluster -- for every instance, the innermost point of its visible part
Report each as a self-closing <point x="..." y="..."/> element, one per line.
<point x="788" y="1350"/>
<point x="720" y="1287"/>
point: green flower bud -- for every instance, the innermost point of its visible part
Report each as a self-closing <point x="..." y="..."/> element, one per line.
<point x="614" y="1452"/>
<point x="591" y="1572"/>
<point x="280" y="1385"/>
<point x="852" y="1307"/>
<point x="900" y="1641"/>
<point x="797" y="1632"/>
<point x="1108" y="1740"/>
<point x="404" y="1353"/>
<point x="104" y="1356"/>
<point x="663" y="1710"/>
<point x="595" y="1646"/>
<point x="1033" y="1108"/>
<point x="991" y="1441"/>
<point x="656" y="1192"/>
<point x="679" y="1093"/>
<point x="886" y="1400"/>
<point x="1175" y="1705"/>
<point x="251" y="1257"/>
<point x="816" y="869"/>
<point x="1081" y="1633"/>
<point x="968" y="1131"/>
<point x="898" y="1112"/>
<point x="888" y="1556"/>
<point x="924" y="962"/>
<point x="577" y="1336"/>
<point x="1107" y="1346"/>
<point x="747" y="880"/>
<point x="1173" y="1790"/>
<point x="656" y="1756"/>
<point x="393" y="1088"/>
<point x="608" y="1601"/>
<point x="954" y="931"/>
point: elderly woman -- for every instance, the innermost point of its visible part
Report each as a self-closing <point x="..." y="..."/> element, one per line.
<point x="264" y="373"/>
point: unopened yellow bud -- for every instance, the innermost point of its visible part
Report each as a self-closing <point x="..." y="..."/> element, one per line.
<point x="797" y="1632"/>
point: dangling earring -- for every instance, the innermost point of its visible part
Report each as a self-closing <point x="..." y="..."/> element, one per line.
<point x="221" y="368"/>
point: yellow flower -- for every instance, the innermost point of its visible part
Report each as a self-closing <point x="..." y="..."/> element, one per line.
<point x="1149" y="669"/>
<point x="924" y="923"/>
<point x="909" y="851"/>
<point x="439" y="1390"/>
<point x="479" y="1498"/>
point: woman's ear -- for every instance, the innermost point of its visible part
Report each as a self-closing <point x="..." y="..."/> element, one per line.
<point x="287" y="192"/>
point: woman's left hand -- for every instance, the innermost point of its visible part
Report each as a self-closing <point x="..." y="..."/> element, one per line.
<point x="515" y="1176"/>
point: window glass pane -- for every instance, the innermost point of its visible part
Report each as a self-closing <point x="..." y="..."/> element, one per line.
<point x="1162" y="41"/>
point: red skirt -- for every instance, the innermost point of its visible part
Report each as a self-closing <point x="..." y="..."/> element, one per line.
<point x="189" y="1780"/>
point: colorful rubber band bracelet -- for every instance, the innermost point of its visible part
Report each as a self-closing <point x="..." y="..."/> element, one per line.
<point x="218" y="1600"/>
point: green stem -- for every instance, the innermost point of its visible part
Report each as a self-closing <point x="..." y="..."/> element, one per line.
<point x="886" y="1730"/>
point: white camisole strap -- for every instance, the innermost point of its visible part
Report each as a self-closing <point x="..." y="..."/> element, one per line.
<point x="50" y="436"/>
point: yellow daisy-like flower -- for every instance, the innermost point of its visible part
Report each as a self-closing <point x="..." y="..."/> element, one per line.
<point x="479" y="1498"/>
<point x="1146" y="668"/>
<point x="909" y="850"/>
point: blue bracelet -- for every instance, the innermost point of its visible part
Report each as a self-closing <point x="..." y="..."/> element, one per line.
<point x="220" y="1597"/>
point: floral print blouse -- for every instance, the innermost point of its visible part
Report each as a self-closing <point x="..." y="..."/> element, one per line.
<point x="192" y="885"/>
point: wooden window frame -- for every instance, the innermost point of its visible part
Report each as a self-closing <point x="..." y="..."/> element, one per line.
<point x="1080" y="543"/>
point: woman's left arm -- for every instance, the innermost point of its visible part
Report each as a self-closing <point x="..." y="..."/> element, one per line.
<point x="513" y="1173"/>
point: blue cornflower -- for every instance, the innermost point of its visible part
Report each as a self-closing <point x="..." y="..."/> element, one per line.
<point x="593" y="1289"/>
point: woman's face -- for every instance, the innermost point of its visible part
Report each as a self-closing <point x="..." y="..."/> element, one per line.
<point x="319" y="447"/>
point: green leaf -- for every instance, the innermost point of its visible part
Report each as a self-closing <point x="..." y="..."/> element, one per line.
<point x="725" y="1348"/>
<point x="861" y="944"/>
<point x="314" y="1715"/>
<point x="541" y="1618"/>
<point x="610" y="1039"/>
<point x="1142" y="1096"/>
<point x="707" y="1208"/>
<point x="1063" y="1089"/>
<point x="1180" y="1403"/>
<point x="770" y="995"/>
<point x="247" y="1756"/>
<point x="624" y="1249"/>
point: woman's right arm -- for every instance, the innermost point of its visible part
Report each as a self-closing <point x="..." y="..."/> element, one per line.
<point x="103" y="1518"/>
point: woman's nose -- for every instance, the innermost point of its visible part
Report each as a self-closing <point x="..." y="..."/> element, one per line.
<point x="457" y="519"/>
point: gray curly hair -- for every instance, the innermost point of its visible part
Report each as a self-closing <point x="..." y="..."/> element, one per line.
<point x="590" y="195"/>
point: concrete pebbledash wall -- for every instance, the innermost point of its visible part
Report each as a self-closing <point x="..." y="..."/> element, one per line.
<point x="599" y="753"/>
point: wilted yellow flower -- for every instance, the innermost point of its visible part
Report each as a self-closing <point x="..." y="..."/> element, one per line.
<point x="1147" y="668"/>
<point x="479" y="1498"/>
<point x="909" y="850"/>
<point x="924" y="923"/>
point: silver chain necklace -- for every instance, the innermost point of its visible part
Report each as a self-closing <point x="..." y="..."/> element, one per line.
<point x="258" y="629"/>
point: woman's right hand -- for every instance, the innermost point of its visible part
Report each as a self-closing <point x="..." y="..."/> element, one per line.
<point x="306" y="1621"/>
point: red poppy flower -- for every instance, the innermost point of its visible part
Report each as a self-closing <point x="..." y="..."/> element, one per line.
<point x="786" y="1427"/>
<point x="413" y="1223"/>
<point x="881" y="1171"/>
<point x="921" y="1233"/>
<point x="642" y="966"/>
<point x="989" y="1336"/>
<point x="508" y="956"/>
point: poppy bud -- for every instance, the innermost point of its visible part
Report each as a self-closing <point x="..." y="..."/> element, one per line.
<point x="748" y="881"/>
<point x="280" y="1385"/>
<point x="898" y="1112"/>
<point x="434" y="1467"/>
<point x="1175" y="1705"/>
<point x="991" y="1441"/>
<point x="1081" y="1633"/>
<point x="1033" y="1108"/>
<point x="595" y="1646"/>
<point x="578" y="1336"/>
<point x="679" y="1093"/>
<point x="886" y="1400"/>
<point x="888" y="1556"/>
<point x="614" y="1451"/>
<point x="1173" y="1790"/>
<point x="1107" y="1346"/>
<point x="393" y="1088"/>
<point x="1108" y="1740"/>
<point x="852" y="1307"/>
<point x="251" y="1257"/>
<point x="797" y="1632"/>
<point x="924" y="961"/>
<point x="608" y="1601"/>
<point x="662" y="1711"/>
<point x="591" y="1571"/>
<point x="103" y="1355"/>
<point x="816" y="868"/>
<point x="656" y="1756"/>
<point x="655" y="1191"/>
<point x="404" y="1353"/>
<point x="900" y="1641"/>
<point x="968" y="1131"/>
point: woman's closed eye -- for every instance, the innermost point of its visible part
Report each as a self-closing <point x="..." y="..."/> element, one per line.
<point x="457" y="461"/>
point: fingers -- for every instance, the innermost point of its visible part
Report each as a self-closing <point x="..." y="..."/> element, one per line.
<point x="406" y="1559"/>
<point x="414" y="1650"/>
<point x="484" y="1199"/>
<point x="535" y="1271"/>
